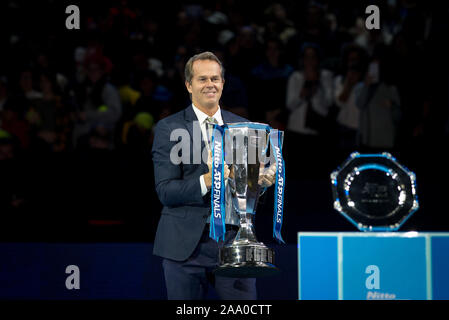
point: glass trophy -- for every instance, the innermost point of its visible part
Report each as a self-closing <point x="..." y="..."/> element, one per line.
<point x="374" y="192"/>
<point x="245" y="256"/>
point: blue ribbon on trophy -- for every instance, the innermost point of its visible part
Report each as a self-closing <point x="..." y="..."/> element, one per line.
<point x="218" y="214"/>
<point x="279" y="188"/>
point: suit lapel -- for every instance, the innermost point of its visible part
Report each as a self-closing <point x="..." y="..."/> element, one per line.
<point x="190" y="119"/>
<point x="229" y="117"/>
<point x="225" y="116"/>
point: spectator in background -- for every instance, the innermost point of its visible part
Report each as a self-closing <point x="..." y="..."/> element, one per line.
<point x="313" y="27"/>
<point x="243" y="51"/>
<point x="316" y="26"/>
<point x="11" y="115"/>
<point x="43" y="65"/>
<point x="175" y="78"/>
<point x="270" y="79"/>
<point x="234" y="97"/>
<point x="13" y="122"/>
<point x="15" y="211"/>
<point x="7" y="147"/>
<point x="368" y="39"/>
<point x="138" y="118"/>
<point x="27" y="88"/>
<point x="137" y="135"/>
<point x="345" y="98"/>
<point x="278" y="24"/>
<point x="49" y="118"/>
<point x="379" y="105"/>
<point x="309" y="96"/>
<point x="5" y="99"/>
<point x="99" y="101"/>
<point x="407" y="57"/>
<point x="152" y="99"/>
<point x="22" y="100"/>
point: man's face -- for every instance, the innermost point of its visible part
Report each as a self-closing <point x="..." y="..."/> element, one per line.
<point x="206" y="85"/>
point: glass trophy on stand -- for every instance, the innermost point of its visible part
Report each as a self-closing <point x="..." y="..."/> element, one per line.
<point x="374" y="192"/>
<point x="246" y="144"/>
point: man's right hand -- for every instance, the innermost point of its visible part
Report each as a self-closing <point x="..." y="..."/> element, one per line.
<point x="208" y="176"/>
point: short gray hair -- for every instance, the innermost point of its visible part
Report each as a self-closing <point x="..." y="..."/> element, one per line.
<point x="207" y="55"/>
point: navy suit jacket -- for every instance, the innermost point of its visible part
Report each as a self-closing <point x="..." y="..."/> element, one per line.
<point x="178" y="187"/>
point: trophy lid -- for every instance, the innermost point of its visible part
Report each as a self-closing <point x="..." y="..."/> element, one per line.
<point x="247" y="124"/>
<point x="374" y="192"/>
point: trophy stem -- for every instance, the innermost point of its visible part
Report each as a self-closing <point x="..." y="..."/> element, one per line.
<point x="246" y="233"/>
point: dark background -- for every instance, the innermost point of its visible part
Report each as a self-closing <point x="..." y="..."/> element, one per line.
<point x="101" y="188"/>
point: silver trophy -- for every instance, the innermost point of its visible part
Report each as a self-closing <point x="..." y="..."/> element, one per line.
<point x="246" y="257"/>
<point x="374" y="192"/>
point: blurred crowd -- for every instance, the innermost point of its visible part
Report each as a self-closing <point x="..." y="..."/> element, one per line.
<point x="308" y="67"/>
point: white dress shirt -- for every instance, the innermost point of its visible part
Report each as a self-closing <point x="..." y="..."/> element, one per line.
<point x="202" y="120"/>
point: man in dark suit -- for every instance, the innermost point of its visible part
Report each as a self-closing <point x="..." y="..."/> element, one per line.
<point x="183" y="186"/>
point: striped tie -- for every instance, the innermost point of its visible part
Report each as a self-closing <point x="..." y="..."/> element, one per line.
<point x="209" y="128"/>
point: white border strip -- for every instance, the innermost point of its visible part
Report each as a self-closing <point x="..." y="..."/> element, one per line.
<point x="299" y="267"/>
<point x="407" y="234"/>
<point x="340" y="265"/>
<point x="429" y="266"/>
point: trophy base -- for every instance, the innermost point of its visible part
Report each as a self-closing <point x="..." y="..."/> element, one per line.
<point x="246" y="261"/>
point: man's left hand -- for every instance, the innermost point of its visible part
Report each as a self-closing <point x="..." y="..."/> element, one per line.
<point x="267" y="176"/>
